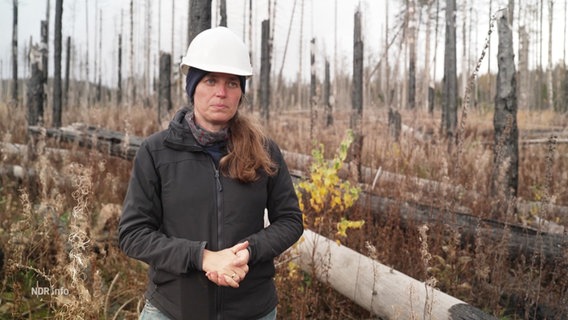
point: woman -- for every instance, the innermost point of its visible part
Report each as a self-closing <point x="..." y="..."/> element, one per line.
<point x="194" y="210"/>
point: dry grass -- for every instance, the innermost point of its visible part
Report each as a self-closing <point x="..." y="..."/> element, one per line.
<point x="59" y="224"/>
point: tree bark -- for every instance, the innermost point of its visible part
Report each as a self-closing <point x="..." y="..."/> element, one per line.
<point x="506" y="154"/>
<point x="131" y="81"/>
<point x="449" y="104"/>
<point x="412" y="54"/>
<point x="35" y="90"/>
<point x="199" y="18"/>
<point x="356" y="120"/>
<point x="523" y="84"/>
<point x="164" y="92"/>
<point x="67" y="71"/>
<point x="425" y="87"/>
<point x="15" y="51"/>
<point x="265" y="72"/>
<point x="313" y="86"/>
<point x="57" y="103"/>
<point x="326" y="96"/>
<point x="119" y="82"/>
<point x="549" y="83"/>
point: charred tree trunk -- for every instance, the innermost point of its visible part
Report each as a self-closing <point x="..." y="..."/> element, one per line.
<point x="395" y="124"/>
<point x="356" y="122"/>
<point x="411" y="55"/>
<point x="119" y="82"/>
<point x="44" y="38"/>
<point x="67" y="72"/>
<point x="313" y="85"/>
<point x="15" y="52"/>
<point x="99" y="58"/>
<point x="199" y="17"/>
<point x="164" y="92"/>
<point x="44" y="58"/>
<point x="56" y="121"/>
<point x="549" y="83"/>
<point x="35" y="90"/>
<point x="131" y="81"/>
<point x="506" y="154"/>
<point x="326" y="96"/>
<point x="425" y="87"/>
<point x="265" y="72"/>
<point x="450" y="92"/>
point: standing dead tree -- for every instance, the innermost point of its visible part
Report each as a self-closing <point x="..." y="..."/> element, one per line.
<point x="199" y="17"/>
<point x="450" y="91"/>
<point x="549" y="70"/>
<point x="164" y="92"/>
<point x="313" y="87"/>
<point x="356" y="121"/>
<point x="412" y="54"/>
<point x="15" y="52"/>
<point x="326" y="96"/>
<point x="119" y="82"/>
<point x="265" y="72"/>
<point x="57" y="103"/>
<point x="506" y="154"/>
<point x="67" y="71"/>
<point x="35" y="90"/>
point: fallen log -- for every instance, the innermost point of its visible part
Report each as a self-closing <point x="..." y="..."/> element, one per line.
<point x="518" y="240"/>
<point x="379" y="289"/>
<point x="111" y="142"/>
<point x="528" y="208"/>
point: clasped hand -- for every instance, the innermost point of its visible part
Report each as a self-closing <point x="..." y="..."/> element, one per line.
<point x="227" y="267"/>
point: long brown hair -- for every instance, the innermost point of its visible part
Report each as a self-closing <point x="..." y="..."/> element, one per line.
<point x="248" y="151"/>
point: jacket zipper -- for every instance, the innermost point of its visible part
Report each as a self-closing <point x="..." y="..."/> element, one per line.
<point x="220" y="244"/>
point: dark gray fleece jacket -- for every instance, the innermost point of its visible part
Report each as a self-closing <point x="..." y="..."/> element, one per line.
<point x="178" y="203"/>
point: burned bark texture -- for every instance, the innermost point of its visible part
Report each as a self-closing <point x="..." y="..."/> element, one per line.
<point x="58" y="47"/>
<point x="199" y="18"/>
<point x="326" y="96"/>
<point x="506" y="140"/>
<point x="164" y="91"/>
<point x="35" y="92"/>
<point x="15" y="51"/>
<point x="356" y="121"/>
<point x="265" y="72"/>
<point x="450" y="91"/>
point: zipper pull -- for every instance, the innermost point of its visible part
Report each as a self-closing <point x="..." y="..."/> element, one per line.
<point x="218" y="181"/>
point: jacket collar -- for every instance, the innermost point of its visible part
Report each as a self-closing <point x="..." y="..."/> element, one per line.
<point x="178" y="135"/>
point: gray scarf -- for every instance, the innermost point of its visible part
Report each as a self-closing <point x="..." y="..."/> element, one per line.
<point x="204" y="137"/>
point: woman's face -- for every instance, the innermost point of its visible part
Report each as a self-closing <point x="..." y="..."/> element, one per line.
<point x="216" y="100"/>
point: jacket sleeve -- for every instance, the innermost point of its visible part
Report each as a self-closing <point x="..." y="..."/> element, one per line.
<point x="286" y="225"/>
<point x="139" y="232"/>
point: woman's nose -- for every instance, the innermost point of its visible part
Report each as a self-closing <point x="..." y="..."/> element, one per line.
<point x="221" y="90"/>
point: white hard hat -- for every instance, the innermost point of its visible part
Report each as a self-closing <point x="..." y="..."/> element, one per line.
<point x="217" y="50"/>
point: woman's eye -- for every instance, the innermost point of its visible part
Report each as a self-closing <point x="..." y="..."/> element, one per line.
<point x="210" y="81"/>
<point x="233" y="84"/>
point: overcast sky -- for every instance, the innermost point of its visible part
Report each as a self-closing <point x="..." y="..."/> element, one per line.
<point x="319" y="23"/>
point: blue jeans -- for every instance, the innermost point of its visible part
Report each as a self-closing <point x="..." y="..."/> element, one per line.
<point x="152" y="313"/>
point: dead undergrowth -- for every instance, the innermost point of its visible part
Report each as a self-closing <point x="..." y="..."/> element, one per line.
<point x="58" y="223"/>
